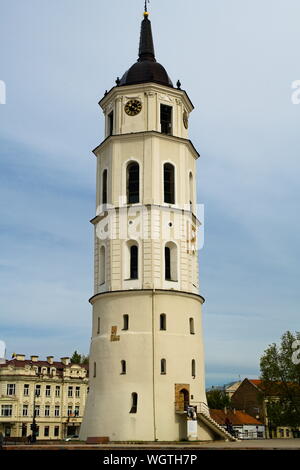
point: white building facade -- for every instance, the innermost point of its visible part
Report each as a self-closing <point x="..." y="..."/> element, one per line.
<point x="146" y="354"/>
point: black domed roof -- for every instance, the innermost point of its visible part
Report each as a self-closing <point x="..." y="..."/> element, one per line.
<point x="146" y="69"/>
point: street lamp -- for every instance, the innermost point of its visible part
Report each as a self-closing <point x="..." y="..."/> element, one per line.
<point x="33" y="425"/>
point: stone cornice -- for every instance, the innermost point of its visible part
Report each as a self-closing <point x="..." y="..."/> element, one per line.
<point x="144" y="87"/>
<point x="134" y="135"/>
<point x="148" y="291"/>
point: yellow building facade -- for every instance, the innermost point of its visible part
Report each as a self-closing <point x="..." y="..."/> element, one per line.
<point x="57" y="391"/>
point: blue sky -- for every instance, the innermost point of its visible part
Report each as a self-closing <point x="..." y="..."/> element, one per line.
<point x="237" y="61"/>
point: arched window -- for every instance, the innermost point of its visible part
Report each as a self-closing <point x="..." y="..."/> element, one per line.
<point x="125" y="322"/>
<point x="192" y="327"/>
<point x="163" y="322"/>
<point x="163" y="367"/>
<point x="102" y="265"/>
<point x="169" y="183"/>
<point x="133" y="183"/>
<point x="193" y="368"/>
<point x="171" y="262"/>
<point x="123" y="367"/>
<point x="104" y="187"/>
<point x="168" y="263"/>
<point x="166" y="119"/>
<point x="134" y="403"/>
<point x="95" y="369"/>
<point x="191" y="188"/>
<point x="110" y="123"/>
<point x="134" y="261"/>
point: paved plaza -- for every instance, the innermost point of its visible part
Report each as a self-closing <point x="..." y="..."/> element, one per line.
<point x="263" y="444"/>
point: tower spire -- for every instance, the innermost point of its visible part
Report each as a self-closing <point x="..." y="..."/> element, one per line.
<point x="146" y="50"/>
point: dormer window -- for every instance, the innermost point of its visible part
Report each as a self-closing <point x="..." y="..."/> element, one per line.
<point x="166" y="119"/>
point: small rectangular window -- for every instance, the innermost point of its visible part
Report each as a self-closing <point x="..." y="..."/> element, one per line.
<point x="11" y="389"/>
<point x="104" y="187"/>
<point x="167" y="264"/>
<point x="134" y="402"/>
<point x="56" y="431"/>
<point x="111" y="123"/>
<point x="46" y="431"/>
<point x="134" y="261"/>
<point x="125" y="322"/>
<point x="166" y="119"/>
<point x="6" y="410"/>
<point x="163" y="322"/>
<point x="192" y="326"/>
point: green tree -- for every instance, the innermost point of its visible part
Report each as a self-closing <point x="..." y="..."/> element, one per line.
<point x="84" y="359"/>
<point x="217" y="399"/>
<point x="76" y="358"/>
<point x="280" y="374"/>
<point x="79" y="358"/>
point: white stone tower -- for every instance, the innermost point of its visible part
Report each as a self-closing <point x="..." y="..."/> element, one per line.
<point x="146" y="355"/>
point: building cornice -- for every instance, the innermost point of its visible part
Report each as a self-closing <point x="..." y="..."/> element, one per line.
<point x="134" y="135"/>
<point x="115" y="91"/>
<point x="198" y="297"/>
<point x="103" y="214"/>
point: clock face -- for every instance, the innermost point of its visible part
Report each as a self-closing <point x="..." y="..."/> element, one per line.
<point x="185" y="119"/>
<point x="133" y="107"/>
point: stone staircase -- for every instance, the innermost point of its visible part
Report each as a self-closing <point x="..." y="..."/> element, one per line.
<point x="204" y="415"/>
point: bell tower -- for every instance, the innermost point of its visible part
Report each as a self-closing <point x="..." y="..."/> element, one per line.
<point x="146" y="354"/>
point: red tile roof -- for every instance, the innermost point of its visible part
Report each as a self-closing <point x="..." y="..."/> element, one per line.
<point x="237" y="418"/>
<point x="274" y="388"/>
<point x="59" y="366"/>
<point x="256" y="382"/>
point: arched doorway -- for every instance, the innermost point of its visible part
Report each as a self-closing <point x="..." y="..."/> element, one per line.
<point x="184" y="399"/>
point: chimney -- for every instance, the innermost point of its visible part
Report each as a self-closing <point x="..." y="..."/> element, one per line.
<point x="50" y="359"/>
<point x="19" y="357"/>
<point x="225" y="410"/>
<point x="234" y="411"/>
<point x="34" y="358"/>
<point x="65" y="360"/>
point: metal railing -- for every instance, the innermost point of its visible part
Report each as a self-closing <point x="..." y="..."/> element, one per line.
<point x="199" y="407"/>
